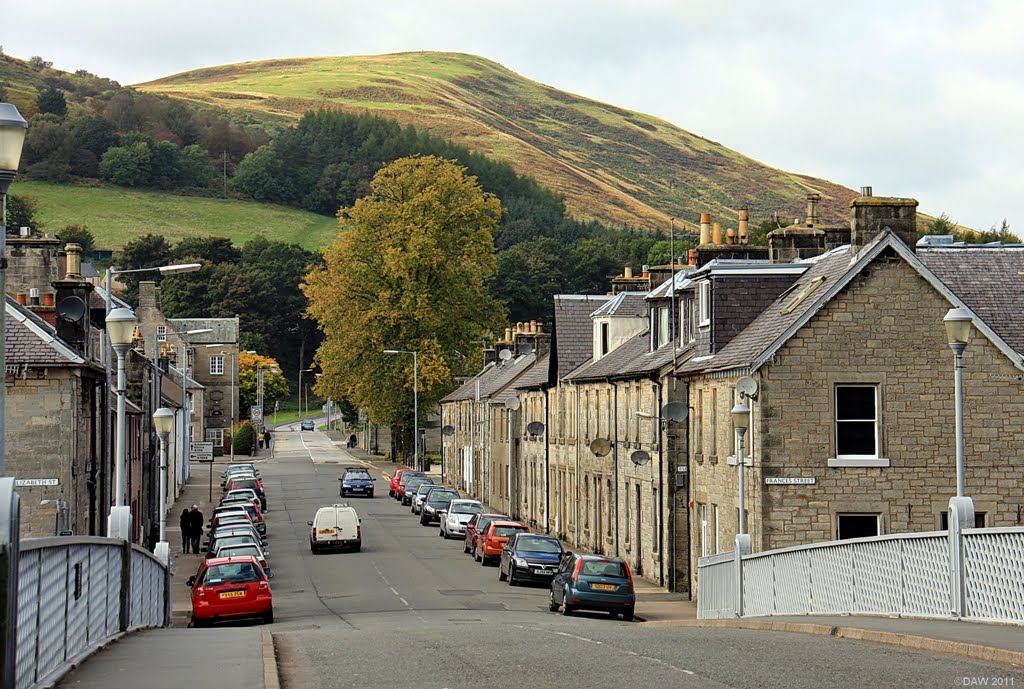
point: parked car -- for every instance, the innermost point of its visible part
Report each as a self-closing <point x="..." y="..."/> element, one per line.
<point x="248" y="508"/>
<point x="241" y="493"/>
<point x="453" y="522"/>
<point x="254" y="483"/>
<point x="225" y="550"/>
<point x="477" y="523"/>
<point x="356" y="481"/>
<point x="234" y="529"/>
<point x="417" y="495"/>
<point x="491" y="541"/>
<point x="335" y="526"/>
<point x="245" y="467"/>
<point x="229" y="516"/>
<point x="308" y="425"/>
<point x="227" y="588"/>
<point x="231" y="538"/>
<point x="403" y="484"/>
<point x="393" y="488"/>
<point x="436" y="501"/>
<point x="409" y="488"/>
<point x="529" y="557"/>
<point x="593" y="582"/>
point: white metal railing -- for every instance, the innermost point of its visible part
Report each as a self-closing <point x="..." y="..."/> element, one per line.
<point x="73" y="596"/>
<point x="915" y="574"/>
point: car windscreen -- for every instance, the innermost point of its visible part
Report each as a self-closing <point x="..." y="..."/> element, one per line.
<point x="231" y="573"/>
<point x="506" y="531"/>
<point x="467" y="508"/>
<point x="442" y="495"/>
<point x="538" y="545"/>
<point x="230" y="550"/>
<point x="423" y="488"/>
<point x="362" y="475"/>
<point x="233" y="540"/>
<point x="600" y="568"/>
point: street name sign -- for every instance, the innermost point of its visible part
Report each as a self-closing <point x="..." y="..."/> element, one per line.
<point x="200" y="452"/>
<point x="36" y="482"/>
<point x="790" y="480"/>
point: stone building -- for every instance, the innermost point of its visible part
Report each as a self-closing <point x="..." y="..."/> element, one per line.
<point x="851" y="428"/>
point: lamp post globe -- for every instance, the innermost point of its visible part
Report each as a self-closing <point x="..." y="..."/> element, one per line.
<point x="120" y="329"/>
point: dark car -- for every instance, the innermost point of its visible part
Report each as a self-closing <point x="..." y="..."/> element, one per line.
<point x="529" y="557"/>
<point x="593" y="582"/>
<point x="477" y="523"/>
<point x="308" y="425"/>
<point x="356" y="481"/>
<point x="407" y="488"/>
<point x="437" y="501"/>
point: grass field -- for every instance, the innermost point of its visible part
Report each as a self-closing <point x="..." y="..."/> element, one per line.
<point x="116" y="215"/>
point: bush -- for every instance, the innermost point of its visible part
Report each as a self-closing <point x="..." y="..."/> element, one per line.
<point x="245" y="438"/>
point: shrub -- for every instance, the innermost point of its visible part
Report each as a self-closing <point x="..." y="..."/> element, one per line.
<point x="245" y="438"/>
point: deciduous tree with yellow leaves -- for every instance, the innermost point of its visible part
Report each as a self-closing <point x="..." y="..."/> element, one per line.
<point x="407" y="272"/>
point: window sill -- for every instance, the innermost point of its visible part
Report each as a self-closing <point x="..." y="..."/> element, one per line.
<point x="876" y="462"/>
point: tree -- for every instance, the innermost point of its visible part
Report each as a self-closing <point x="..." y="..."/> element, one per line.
<point x="165" y="168"/>
<point x="51" y="100"/>
<point x="407" y="272"/>
<point x="274" y="384"/>
<point x="128" y="166"/>
<point x="78" y="234"/>
<point x="196" y="168"/>
<point x="21" y="212"/>
<point x="944" y="225"/>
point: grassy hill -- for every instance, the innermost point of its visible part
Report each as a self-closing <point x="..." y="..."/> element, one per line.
<point x="116" y="215"/>
<point x="623" y="167"/>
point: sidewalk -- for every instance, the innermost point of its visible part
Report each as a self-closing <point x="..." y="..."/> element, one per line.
<point x="656" y="607"/>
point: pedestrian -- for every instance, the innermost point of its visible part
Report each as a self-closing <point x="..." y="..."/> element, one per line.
<point x="195" y="528"/>
<point x="266" y="438"/>
<point x="186" y="530"/>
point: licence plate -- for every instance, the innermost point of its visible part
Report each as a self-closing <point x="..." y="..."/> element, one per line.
<point x="603" y="587"/>
<point x="544" y="572"/>
<point x="233" y="594"/>
<point x="326" y="531"/>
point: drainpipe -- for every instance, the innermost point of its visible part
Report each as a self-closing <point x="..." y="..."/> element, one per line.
<point x="547" y="468"/>
<point x="615" y="458"/>
<point x="661" y="486"/>
<point x="488" y="455"/>
<point x="508" y="471"/>
<point x="576" y="391"/>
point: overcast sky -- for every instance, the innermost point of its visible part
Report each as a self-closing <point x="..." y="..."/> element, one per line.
<point x="921" y="98"/>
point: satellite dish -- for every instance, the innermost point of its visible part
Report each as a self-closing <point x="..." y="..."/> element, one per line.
<point x="448" y="430"/>
<point x="505" y="354"/>
<point x="640" y="457"/>
<point x="747" y="386"/>
<point x="71" y="309"/>
<point x="512" y="403"/>
<point x="535" y="428"/>
<point x="600" y="446"/>
<point x="674" y="411"/>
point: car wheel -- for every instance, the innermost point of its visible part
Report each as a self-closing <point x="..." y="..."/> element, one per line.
<point x="269" y="617"/>
<point x="441" y="533"/>
<point x="423" y="519"/>
<point x="359" y="546"/>
<point x="501" y="574"/>
<point x="341" y="493"/>
<point x="628" y="616"/>
<point x="512" y="576"/>
<point x="552" y="605"/>
<point x="370" y="494"/>
<point x="476" y="556"/>
<point x="483" y="560"/>
<point x="566" y="608"/>
<point x="196" y="622"/>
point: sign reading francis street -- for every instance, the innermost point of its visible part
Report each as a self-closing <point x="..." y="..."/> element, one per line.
<point x="789" y="480"/>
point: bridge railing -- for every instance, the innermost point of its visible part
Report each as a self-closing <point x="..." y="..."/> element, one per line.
<point x="969" y="573"/>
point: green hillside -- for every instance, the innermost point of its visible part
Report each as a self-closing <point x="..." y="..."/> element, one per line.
<point x="116" y="215"/>
<point x="612" y="164"/>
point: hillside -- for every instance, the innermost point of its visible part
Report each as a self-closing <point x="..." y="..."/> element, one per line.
<point x="116" y="215"/>
<point x="611" y="164"/>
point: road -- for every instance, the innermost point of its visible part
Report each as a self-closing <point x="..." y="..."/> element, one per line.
<point x="411" y="610"/>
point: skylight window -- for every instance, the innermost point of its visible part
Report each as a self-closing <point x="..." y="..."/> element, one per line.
<point x="799" y="299"/>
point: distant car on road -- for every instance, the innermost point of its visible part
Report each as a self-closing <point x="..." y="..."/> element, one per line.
<point x="308" y="425"/>
<point x="356" y="481"/>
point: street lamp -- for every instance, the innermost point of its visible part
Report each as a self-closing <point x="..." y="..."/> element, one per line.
<point x="958" y="332"/>
<point x="740" y="419"/>
<point x="415" y="403"/>
<point x="163" y="422"/>
<point x="13" y="128"/>
<point x="120" y="329"/>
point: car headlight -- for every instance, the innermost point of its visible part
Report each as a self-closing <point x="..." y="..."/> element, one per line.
<point x="520" y="562"/>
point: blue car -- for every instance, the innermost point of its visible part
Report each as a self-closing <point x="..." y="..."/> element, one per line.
<point x="356" y="481"/>
<point x="529" y="557"/>
<point x="593" y="582"/>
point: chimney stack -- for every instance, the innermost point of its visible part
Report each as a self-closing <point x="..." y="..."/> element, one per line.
<point x="627" y="272"/>
<point x="73" y="262"/>
<point x="812" y="208"/>
<point x="705" y="228"/>
<point x="872" y="215"/>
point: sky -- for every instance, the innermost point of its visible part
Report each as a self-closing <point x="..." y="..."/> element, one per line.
<point x="918" y="98"/>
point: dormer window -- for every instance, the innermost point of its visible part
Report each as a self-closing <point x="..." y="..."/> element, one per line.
<point x="161" y="333"/>
<point x="605" y="341"/>
<point x="664" y="327"/>
<point x="704" y="303"/>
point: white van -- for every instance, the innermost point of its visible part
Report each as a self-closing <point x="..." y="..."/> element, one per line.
<point x="335" y="526"/>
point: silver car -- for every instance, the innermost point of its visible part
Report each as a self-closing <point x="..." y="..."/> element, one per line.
<point x="419" y="495"/>
<point x="453" y="522"/>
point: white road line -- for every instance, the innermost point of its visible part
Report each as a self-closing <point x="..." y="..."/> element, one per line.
<point x="581" y="638"/>
<point x="404" y="601"/>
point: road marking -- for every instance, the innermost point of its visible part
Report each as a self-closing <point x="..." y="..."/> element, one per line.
<point x="404" y="601"/>
<point x="581" y="638"/>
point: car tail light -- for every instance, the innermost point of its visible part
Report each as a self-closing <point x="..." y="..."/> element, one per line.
<point x="199" y="591"/>
<point x="264" y="585"/>
<point x="629" y="574"/>
<point x="576" y="570"/>
<point x="359" y="534"/>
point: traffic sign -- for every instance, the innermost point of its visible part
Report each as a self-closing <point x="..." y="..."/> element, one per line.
<point x="200" y="452"/>
<point x="256" y="413"/>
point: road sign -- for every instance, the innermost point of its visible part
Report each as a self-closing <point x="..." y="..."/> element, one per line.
<point x="200" y="452"/>
<point x="256" y="413"/>
<point x="36" y="482"/>
<point x="790" y="480"/>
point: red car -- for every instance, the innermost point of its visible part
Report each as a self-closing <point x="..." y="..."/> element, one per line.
<point x="490" y="542"/>
<point x="477" y="523"/>
<point x="393" y="489"/>
<point x="227" y="588"/>
<point x="406" y="475"/>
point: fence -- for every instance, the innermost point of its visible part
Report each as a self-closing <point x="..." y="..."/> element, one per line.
<point x="76" y="593"/>
<point x="973" y="573"/>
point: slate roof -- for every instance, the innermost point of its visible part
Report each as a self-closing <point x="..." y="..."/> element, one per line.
<point x="28" y="339"/>
<point x="631" y="359"/>
<point x="623" y="304"/>
<point x="990" y="280"/>
<point x="664" y="290"/>
<point x="115" y="301"/>
<point x="574" y="330"/>
<point x="224" y="330"/>
<point x="537" y="376"/>
<point x="493" y="379"/>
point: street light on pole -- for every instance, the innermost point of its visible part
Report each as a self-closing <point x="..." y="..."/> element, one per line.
<point x="13" y="128"/>
<point x="163" y="422"/>
<point x="959" y="323"/>
<point x="120" y="328"/>
<point x="415" y="402"/>
<point x="740" y="419"/>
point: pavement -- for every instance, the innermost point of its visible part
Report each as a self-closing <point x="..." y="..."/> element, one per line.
<point x="246" y="658"/>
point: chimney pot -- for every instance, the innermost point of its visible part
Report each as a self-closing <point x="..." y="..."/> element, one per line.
<point x="730" y="235"/>
<point x="742" y="231"/>
<point x="865" y="191"/>
<point x="74" y="261"/>
<point x="716" y="234"/>
<point x="705" y="228"/>
<point x="48" y="299"/>
<point x="21" y="298"/>
<point x="627" y="272"/>
<point x="26" y="231"/>
<point x="33" y="296"/>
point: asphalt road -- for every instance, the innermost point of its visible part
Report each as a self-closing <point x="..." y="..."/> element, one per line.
<point x="411" y="610"/>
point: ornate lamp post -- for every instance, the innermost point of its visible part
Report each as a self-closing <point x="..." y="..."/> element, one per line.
<point x="163" y="421"/>
<point x="740" y="419"/>
<point x="120" y="328"/>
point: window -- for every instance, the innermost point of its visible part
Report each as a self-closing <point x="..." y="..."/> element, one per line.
<point x="656" y="530"/>
<point x="704" y="305"/>
<point x="714" y="422"/>
<point x="698" y="425"/>
<point x="664" y="328"/>
<point x="161" y="333"/>
<point x="714" y="515"/>
<point x="691" y="327"/>
<point x="856" y="421"/>
<point x="605" y="346"/>
<point x="217" y="365"/>
<point x="856" y="526"/>
<point x="979" y="520"/>
<point x="215" y="436"/>
<point x="704" y="551"/>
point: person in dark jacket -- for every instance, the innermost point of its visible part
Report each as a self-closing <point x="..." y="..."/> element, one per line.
<point x="195" y="528"/>
<point x="186" y="530"/>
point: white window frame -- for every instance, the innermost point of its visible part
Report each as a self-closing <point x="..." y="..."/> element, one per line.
<point x="217" y="370"/>
<point x="874" y="420"/>
<point x="215" y="435"/>
<point x="161" y="333"/>
<point x="704" y="303"/>
<point x="664" y="326"/>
